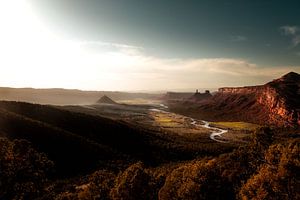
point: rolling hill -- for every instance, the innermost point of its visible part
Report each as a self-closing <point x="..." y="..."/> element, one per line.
<point x="79" y="142"/>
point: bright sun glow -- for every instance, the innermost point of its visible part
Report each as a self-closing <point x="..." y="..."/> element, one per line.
<point x="33" y="56"/>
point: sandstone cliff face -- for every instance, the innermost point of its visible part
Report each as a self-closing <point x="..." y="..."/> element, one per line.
<point x="278" y="111"/>
<point x="244" y="90"/>
<point x="276" y="103"/>
<point x="279" y="99"/>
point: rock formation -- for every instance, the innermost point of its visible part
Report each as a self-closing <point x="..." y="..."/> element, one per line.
<point x="281" y="97"/>
<point x="198" y="96"/>
<point x="106" y="100"/>
<point x="275" y="103"/>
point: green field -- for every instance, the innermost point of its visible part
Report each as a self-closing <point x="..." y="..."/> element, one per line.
<point x="236" y="125"/>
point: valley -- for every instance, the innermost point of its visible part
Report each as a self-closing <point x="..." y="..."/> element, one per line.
<point x="169" y="146"/>
<point x="156" y="117"/>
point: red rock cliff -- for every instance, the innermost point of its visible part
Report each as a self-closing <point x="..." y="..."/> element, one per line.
<point x="276" y="103"/>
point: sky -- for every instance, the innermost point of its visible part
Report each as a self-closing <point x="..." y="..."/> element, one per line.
<point x="156" y="45"/>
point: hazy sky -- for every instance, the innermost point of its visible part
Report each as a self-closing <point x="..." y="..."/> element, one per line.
<point x="147" y="45"/>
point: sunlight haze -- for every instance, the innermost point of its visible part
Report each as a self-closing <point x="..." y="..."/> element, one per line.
<point x="36" y="54"/>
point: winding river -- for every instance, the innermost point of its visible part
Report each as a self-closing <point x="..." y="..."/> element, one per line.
<point x="216" y="133"/>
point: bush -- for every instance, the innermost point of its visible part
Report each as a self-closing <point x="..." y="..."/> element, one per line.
<point x="279" y="177"/>
<point x="23" y="170"/>
<point x="132" y="184"/>
<point x="197" y="180"/>
<point x="99" y="186"/>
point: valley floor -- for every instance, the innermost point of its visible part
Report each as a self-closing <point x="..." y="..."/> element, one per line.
<point x="157" y="117"/>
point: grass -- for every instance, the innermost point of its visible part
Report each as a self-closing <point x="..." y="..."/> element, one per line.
<point x="177" y="124"/>
<point x="236" y="125"/>
<point x="164" y="120"/>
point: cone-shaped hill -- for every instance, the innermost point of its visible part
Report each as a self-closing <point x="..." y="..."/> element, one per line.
<point x="106" y="99"/>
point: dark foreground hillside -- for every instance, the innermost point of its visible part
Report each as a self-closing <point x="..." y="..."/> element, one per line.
<point x="51" y="153"/>
<point x="263" y="169"/>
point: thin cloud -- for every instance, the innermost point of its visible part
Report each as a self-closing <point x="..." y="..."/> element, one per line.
<point x="100" y="43"/>
<point x="289" y="30"/>
<point x="150" y="72"/>
<point x="296" y="40"/>
<point x="106" y="47"/>
<point x="71" y="64"/>
<point x="293" y="32"/>
<point x="238" y="38"/>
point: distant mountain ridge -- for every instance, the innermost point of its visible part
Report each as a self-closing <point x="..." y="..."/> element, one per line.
<point x="177" y="96"/>
<point x="57" y="96"/>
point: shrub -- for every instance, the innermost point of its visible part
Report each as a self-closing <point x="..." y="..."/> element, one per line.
<point x="278" y="177"/>
<point x="132" y="184"/>
<point x="23" y="170"/>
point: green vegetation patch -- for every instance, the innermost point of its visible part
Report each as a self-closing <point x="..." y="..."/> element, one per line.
<point x="164" y="120"/>
<point x="236" y="125"/>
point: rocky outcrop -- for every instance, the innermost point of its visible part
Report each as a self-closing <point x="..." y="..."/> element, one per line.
<point x="198" y="96"/>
